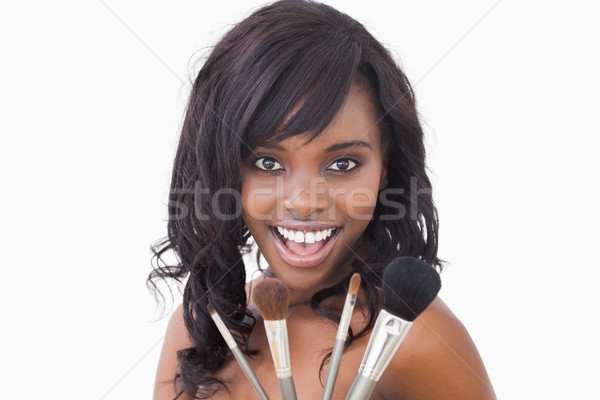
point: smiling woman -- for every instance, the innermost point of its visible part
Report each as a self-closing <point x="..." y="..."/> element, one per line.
<point x="307" y="122"/>
<point x="306" y="202"/>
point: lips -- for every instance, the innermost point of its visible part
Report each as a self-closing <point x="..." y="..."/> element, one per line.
<point x="304" y="246"/>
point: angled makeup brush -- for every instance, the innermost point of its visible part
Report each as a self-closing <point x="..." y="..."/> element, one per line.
<point x="272" y="299"/>
<point x="409" y="286"/>
<point x="237" y="353"/>
<point x="340" y="338"/>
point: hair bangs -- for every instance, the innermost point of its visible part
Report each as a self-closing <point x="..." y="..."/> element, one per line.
<point x="308" y="92"/>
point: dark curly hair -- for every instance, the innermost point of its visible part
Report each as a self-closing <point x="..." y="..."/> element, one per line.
<point x="285" y="52"/>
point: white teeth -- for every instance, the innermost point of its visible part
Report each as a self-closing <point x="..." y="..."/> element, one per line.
<point x="305" y="237"/>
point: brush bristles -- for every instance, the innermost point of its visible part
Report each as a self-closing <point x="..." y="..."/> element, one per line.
<point x="272" y="298"/>
<point x="354" y="284"/>
<point x="211" y="309"/>
<point x="409" y="286"/>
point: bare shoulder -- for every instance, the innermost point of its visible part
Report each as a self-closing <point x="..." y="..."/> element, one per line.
<point x="176" y="338"/>
<point x="438" y="360"/>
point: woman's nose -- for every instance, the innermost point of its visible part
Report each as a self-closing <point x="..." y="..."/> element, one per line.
<point x="305" y="198"/>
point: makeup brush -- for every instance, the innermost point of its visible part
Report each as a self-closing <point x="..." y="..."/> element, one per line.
<point x="409" y="286"/>
<point x="272" y="299"/>
<point x="237" y="353"/>
<point x="340" y="338"/>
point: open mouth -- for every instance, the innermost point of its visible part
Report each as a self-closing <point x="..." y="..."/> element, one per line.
<point x="304" y="248"/>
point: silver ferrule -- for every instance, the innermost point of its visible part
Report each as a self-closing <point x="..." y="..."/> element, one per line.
<point x="280" y="351"/>
<point x="388" y="333"/>
<point x="224" y="331"/>
<point x="346" y="317"/>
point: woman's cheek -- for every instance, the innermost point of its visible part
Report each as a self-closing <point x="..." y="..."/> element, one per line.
<point x="360" y="203"/>
<point x="360" y="197"/>
<point x="256" y="204"/>
<point x="259" y="198"/>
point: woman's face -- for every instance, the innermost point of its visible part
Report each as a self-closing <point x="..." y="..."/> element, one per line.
<point x="307" y="204"/>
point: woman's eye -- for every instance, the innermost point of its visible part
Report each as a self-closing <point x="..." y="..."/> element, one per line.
<point x="342" y="165"/>
<point x="268" y="164"/>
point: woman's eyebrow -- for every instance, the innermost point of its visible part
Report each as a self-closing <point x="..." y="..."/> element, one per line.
<point x="345" y="145"/>
<point x="334" y="147"/>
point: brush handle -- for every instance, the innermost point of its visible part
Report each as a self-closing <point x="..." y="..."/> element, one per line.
<point x="237" y="353"/>
<point x="361" y="389"/>
<point x="338" y="347"/>
<point x="280" y="351"/>
<point x="334" y="366"/>
<point x="287" y="389"/>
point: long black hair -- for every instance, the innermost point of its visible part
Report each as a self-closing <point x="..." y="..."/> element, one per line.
<point x="285" y="52"/>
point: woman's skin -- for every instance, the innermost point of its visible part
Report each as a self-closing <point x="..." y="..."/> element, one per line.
<point x="331" y="182"/>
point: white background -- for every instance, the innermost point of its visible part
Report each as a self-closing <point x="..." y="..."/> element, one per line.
<point x="92" y="95"/>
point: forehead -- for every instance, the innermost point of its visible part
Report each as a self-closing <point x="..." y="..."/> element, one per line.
<point x="357" y="121"/>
